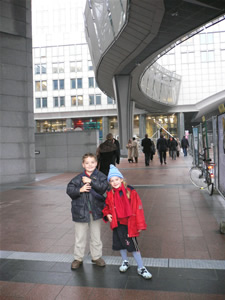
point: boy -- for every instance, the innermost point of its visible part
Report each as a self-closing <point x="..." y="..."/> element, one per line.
<point x="86" y="191"/>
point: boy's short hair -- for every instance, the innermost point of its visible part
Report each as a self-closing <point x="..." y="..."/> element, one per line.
<point x="86" y="155"/>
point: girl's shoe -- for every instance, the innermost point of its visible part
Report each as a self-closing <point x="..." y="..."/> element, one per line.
<point x="125" y="265"/>
<point x="144" y="273"/>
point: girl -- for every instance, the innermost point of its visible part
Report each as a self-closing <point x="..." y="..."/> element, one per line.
<point x="124" y="211"/>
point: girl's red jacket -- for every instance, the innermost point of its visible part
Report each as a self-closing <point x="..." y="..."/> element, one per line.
<point x="136" y="222"/>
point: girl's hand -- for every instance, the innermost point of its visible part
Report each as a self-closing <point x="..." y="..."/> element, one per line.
<point x="85" y="188"/>
<point x="85" y="179"/>
<point x="109" y="218"/>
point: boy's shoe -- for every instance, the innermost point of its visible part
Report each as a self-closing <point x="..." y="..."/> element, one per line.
<point x="99" y="262"/>
<point x="76" y="264"/>
<point x="144" y="273"/>
<point x="125" y="265"/>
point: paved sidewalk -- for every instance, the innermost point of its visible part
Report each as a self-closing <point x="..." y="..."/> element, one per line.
<point x="182" y="245"/>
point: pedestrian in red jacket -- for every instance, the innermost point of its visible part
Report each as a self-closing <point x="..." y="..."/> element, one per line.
<point x="125" y="213"/>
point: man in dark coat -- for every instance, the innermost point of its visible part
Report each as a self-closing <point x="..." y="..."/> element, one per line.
<point x="184" y="145"/>
<point x="107" y="154"/>
<point x="162" y="148"/>
<point x="146" y="143"/>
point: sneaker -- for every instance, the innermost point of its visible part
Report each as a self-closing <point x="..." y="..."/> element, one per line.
<point x="99" y="262"/>
<point x="144" y="273"/>
<point x="125" y="265"/>
<point x="76" y="264"/>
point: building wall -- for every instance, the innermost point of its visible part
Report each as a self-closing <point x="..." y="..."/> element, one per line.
<point x="17" y="162"/>
<point x="62" y="152"/>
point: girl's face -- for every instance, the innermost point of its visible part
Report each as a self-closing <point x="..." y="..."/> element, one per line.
<point x="115" y="182"/>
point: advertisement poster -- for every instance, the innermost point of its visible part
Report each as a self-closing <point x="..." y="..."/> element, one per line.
<point x="196" y="145"/>
<point x="221" y="144"/>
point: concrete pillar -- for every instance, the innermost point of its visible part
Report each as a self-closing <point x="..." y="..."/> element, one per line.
<point x="17" y="158"/>
<point x="105" y="127"/>
<point x="125" y="107"/>
<point x="180" y="125"/>
<point x="69" y="123"/>
<point x="142" y="126"/>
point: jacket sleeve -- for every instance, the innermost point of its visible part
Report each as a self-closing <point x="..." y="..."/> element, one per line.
<point x="73" y="189"/>
<point x="107" y="209"/>
<point x="140" y="218"/>
<point x="99" y="184"/>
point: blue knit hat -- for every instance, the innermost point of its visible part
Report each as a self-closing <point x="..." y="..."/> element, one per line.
<point x="113" y="171"/>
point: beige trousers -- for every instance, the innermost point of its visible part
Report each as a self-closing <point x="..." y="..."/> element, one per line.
<point x="81" y="233"/>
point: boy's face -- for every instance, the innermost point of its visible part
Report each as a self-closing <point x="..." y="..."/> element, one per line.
<point x="89" y="165"/>
<point x="115" y="182"/>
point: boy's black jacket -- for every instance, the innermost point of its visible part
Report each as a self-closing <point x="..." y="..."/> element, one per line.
<point x="79" y="206"/>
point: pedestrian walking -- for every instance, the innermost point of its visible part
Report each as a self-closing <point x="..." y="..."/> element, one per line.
<point x="162" y="148"/>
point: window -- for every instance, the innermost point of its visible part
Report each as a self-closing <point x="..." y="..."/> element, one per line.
<point x="59" y="101"/>
<point x="58" y="84"/>
<point x="43" y="68"/>
<point x="79" y="83"/>
<point x="55" y="101"/>
<point x="207" y="56"/>
<point x="55" y="84"/>
<point x="80" y="100"/>
<point x="57" y="68"/>
<point x="72" y="66"/>
<point x="73" y="83"/>
<point x="90" y="66"/>
<point x="41" y="102"/>
<point x="77" y="100"/>
<point x="38" y="102"/>
<point x="62" y="101"/>
<point x="79" y="66"/>
<point x="61" y="84"/>
<point x="98" y="100"/>
<point x="206" y="38"/>
<point x="91" y="100"/>
<point x="40" y="86"/>
<point x="91" y="82"/>
<point x="74" y="100"/>
<point x="44" y="102"/>
<point x="110" y="100"/>
<point x="37" y="69"/>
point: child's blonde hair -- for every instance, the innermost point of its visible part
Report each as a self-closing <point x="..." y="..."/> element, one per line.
<point x="125" y="186"/>
<point x="86" y="155"/>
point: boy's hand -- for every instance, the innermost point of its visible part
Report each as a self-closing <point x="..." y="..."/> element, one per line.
<point x="109" y="218"/>
<point x="85" y="188"/>
<point x="85" y="179"/>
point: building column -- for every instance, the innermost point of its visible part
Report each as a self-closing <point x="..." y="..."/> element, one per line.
<point x="17" y="161"/>
<point x="180" y="125"/>
<point x="105" y="127"/>
<point x="142" y="126"/>
<point x="125" y="109"/>
<point x="69" y="123"/>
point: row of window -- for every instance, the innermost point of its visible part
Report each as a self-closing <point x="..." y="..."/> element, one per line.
<point x="59" y="67"/>
<point x="59" y="84"/>
<point x="75" y="101"/>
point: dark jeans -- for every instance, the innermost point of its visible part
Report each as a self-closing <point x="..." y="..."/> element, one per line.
<point x="162" y="156"/>
<point x="147" y="159"/>
<point x="185" y="151"/>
